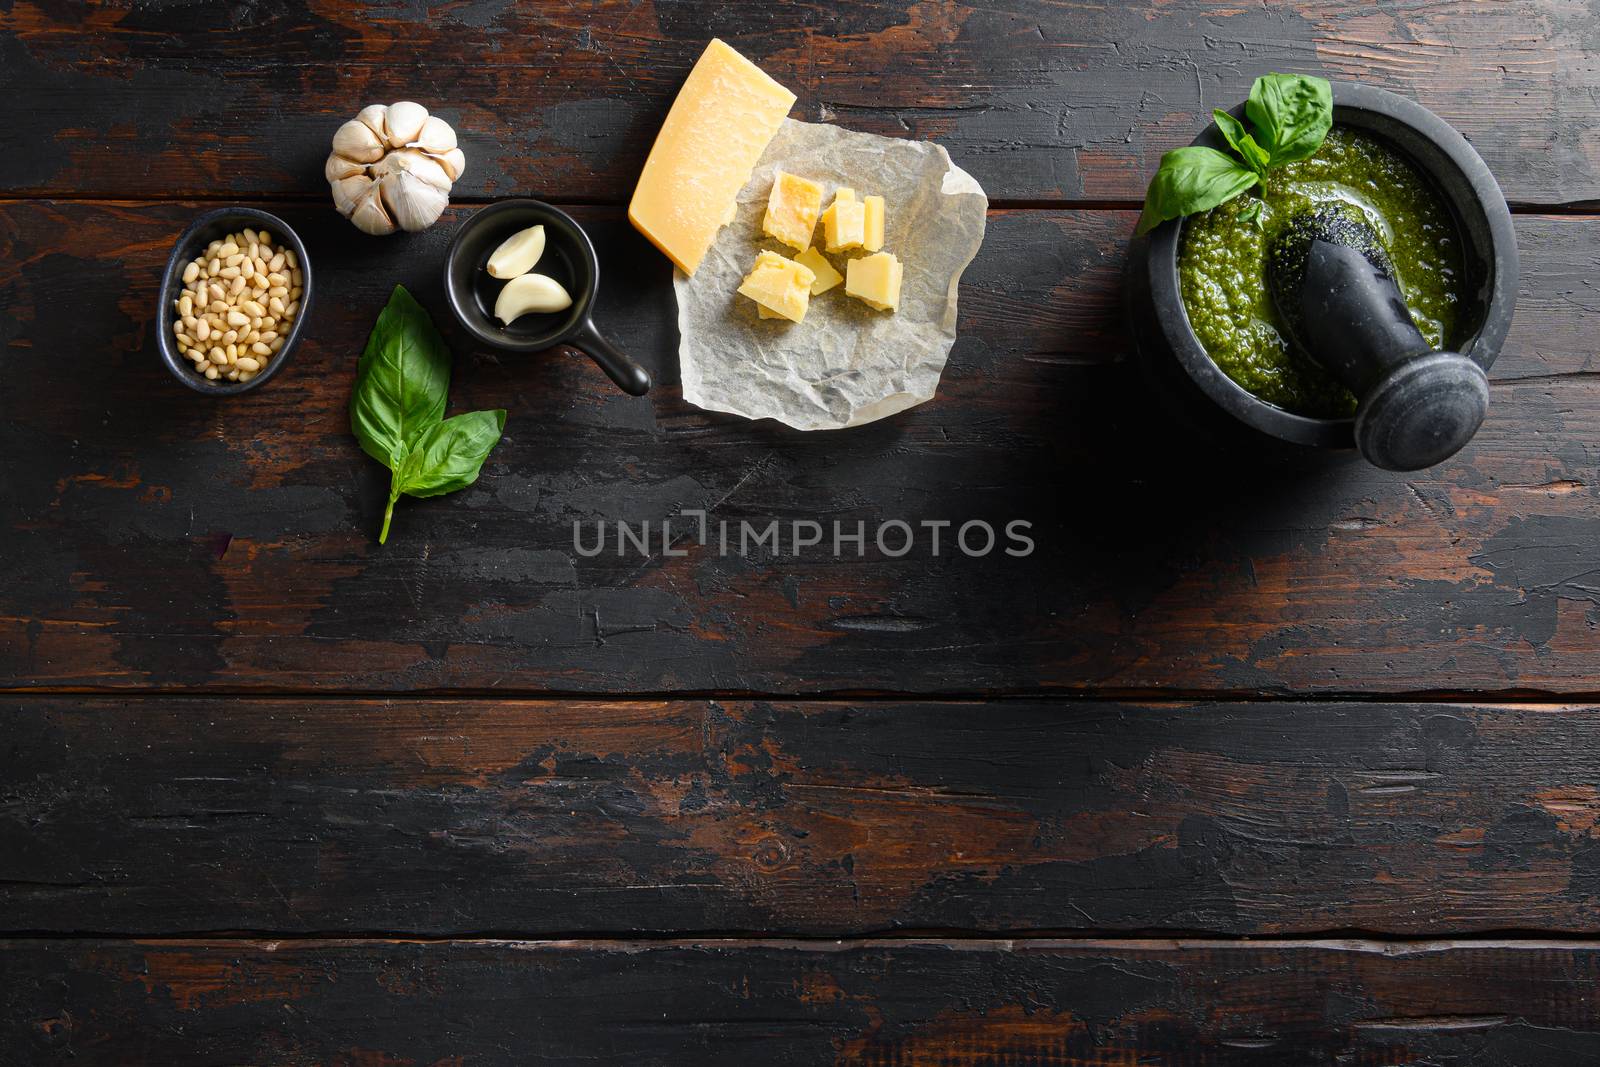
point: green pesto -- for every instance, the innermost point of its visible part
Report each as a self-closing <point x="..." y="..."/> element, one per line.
<point x="1222" y="265"/>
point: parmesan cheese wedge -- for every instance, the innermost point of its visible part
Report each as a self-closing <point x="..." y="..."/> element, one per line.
<point x="725" y="115"/>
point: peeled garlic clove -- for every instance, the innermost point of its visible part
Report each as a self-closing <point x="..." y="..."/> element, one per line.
<point x="517" y="254"/>
<point x="414" y="203"/>
<point x="356" y="141"/>
<point x="369" y="215"/>
<point x="339" y="168"/>
<point x="403" y="122"/>
<point x="436" y="136"/>
<point x="373" y="116"/>
<point x="347" y="193"/>
<point x="530" y="293"/>
<point x="453" y="162"/>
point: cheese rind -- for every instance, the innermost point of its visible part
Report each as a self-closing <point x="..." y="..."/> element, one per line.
<point x="725" y="115"/>
<point x="872" y="239"/>
<point x="875" y="280"/>
<point x="844" y="224"/>
<point x="792" y="210"/>
<point x="826" y="276"/>
<point x="780" y="285"/>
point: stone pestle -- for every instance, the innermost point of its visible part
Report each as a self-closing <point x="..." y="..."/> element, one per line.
<point x="1334" y="288"/>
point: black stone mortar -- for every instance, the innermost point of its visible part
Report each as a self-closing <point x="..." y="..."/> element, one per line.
<point x="1176" y="365"/>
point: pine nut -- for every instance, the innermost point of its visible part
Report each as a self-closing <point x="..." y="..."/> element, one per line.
<point x="202" y="329"/>
<point x="218" y="356"/>
<point x="289" y="311"/>
<point x="211" y="372"/>
<point x="277" y="262"/>
<point x="278" y="290"/>
<point x="246" y="363"/>
<point x="260" y="349"/>
<point x="190" y="273"/>
<point x="277" y="343"/>
<point x="265" y="239"/>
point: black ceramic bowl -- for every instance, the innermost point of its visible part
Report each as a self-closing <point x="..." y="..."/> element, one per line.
<point x="1172" y="355"/>
<point x="568" y="258"/>
<point x="201" y="232"/>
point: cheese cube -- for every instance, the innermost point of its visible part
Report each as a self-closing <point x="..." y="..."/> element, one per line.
<point x="792" y="210"/>
<point x="826" y="278"/>
<point x="844" y="224"/>
<point x="722" y="120"/>
<point x="780" y="285"/>
<point x="875" y="280"/>
<point x="872" y="240"/>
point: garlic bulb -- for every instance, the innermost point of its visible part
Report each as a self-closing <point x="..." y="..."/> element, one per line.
<point x="392" y="168"/>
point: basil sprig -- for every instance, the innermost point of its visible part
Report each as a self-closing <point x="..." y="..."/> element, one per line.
<point x="1291" y="113"/>
<point x="397" y="409"/>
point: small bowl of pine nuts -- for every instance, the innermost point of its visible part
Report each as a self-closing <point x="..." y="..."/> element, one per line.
<point x="236" y="292"/>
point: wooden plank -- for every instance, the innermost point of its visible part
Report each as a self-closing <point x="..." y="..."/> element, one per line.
<point x="152" y="538"/>
<point x="1041" y="101"/>
<point x="149" y="537"/>
<point x="1088" y="1003"/>
<point x="162" y="815"/>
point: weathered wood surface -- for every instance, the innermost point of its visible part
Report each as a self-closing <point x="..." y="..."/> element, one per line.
<point x="1041" y="101"/>
<point x="964" y="1004"/>
<point x="167" y="816"/>
<point x="150" y="537"/>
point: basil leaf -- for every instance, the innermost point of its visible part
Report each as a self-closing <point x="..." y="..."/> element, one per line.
<point x="401" y="381"/>
<point x="1191" y="180"/>
<point x="450" y="454"/>
<point x="1233" y="131"/>
<point x="1292" y="114"/>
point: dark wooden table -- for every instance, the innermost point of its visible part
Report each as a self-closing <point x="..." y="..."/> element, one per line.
<point x="1259" y="759"/>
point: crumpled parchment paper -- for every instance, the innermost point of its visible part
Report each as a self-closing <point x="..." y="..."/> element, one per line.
<point x="846" y="364"/>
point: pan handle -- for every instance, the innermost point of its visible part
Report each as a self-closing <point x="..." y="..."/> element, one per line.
<point x="629" y="376"/>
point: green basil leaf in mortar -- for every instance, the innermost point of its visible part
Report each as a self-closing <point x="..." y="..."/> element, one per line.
<point x="401" y="381"/>
<point x="1191" y="180"/>
<point x="1292" y="114"/>
<point x="1255" y="157"/>
<point x="449" y="455"/>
